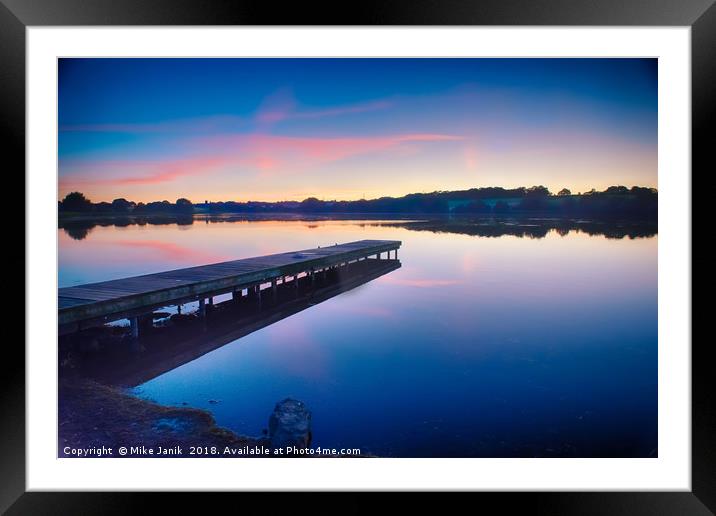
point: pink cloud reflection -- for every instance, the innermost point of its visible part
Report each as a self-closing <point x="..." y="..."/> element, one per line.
<point x="291" y="347"/>
<point x="172" y="251"/>
<point x="417" y="282"/>
<point x="371" y="311"/>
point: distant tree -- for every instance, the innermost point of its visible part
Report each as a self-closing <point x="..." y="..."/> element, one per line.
<point x="76" y="201"/>
<point x="640" y="190"/>
<point x="122" y="204"/>
<point x="312" y="204"/>
<point x="159" y="207"/>
<point x="103" y="207"/>
<point x="619" y="190"/>
<point x="184" y="206"/>
<point x="564" y="191"/>
<point x="537" y="191"/>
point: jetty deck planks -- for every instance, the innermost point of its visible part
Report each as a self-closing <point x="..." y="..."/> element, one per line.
<point x="127" y="297"/>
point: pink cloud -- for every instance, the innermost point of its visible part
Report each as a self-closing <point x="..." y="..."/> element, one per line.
<point x="344" y="110"/>
<point x="275" y="108"/>
<point x="263" y="152"/>
<point x="470" y="158"/>
<point x="290" y="149"/>
<point x="136" y="172"/>
<point x="281" y="106"/>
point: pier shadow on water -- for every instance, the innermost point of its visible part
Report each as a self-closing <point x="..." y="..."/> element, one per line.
<point x="110" y="356"/>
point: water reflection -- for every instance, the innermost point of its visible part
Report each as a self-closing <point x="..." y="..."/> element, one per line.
<point x="533" y="227"/>
<point x="113" y="358"/>
<point x="79" y="228"/>
<point x="530" y="227"/>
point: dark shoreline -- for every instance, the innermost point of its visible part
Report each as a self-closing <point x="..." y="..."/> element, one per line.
<point x="93" y="416"/>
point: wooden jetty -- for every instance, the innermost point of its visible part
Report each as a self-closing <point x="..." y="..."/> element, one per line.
<point x="135" y="298"/>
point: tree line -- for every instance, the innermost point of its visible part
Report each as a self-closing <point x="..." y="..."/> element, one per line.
<point x="76" y="202"/>
<point x="615" y="201"/>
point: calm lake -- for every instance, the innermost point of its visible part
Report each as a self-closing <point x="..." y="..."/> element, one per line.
<point x="515" y="339"/>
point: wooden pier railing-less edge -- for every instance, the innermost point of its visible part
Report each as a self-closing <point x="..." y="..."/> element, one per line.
<point x="129" y="298"/>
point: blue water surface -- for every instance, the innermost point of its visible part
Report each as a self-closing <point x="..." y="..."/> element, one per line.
<point x="477" y="346"/>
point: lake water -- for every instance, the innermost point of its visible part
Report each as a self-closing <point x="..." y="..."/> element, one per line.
<point x="482" y="344"/>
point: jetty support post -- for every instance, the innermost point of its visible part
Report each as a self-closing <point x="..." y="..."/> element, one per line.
<point x="134" y="326"/>
<point x="202" y="307"/>
<point x="274" y="290"/>
<point x="145" y="322"/>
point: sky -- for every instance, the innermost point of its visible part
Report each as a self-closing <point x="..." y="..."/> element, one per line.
<point x="271" y="129"/>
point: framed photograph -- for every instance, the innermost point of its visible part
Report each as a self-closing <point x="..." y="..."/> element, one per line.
<point x="423" y="249"/>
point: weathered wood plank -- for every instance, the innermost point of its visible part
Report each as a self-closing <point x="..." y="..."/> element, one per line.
<point x="65" y="302"/>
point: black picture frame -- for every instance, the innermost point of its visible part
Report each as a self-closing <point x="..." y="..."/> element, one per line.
<point x="17" y="15"/>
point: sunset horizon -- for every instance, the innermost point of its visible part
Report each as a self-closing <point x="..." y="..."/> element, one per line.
<point x="362" y="198"/>
<point x="271" y="130"/>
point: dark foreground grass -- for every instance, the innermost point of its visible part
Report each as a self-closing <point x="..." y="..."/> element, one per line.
<point x="92" y="416"/>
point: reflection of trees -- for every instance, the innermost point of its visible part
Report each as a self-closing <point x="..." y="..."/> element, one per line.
<point x="77" y="233"/>
<point x="469" y="224"/>
<point x="79" y="229"/>
<point x="530" y="228"/>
